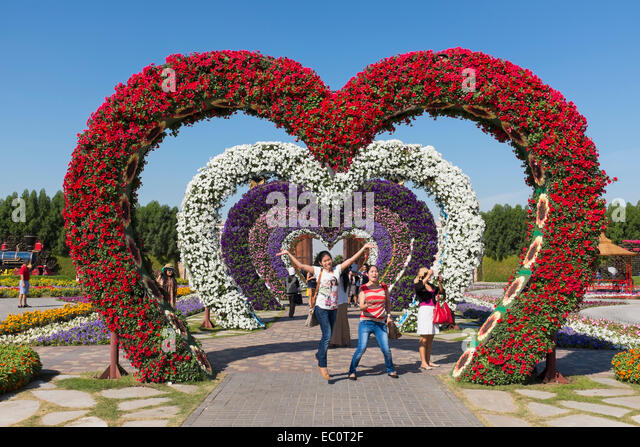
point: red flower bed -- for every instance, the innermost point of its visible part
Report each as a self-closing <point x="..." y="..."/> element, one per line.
<point x="512" y="104"/>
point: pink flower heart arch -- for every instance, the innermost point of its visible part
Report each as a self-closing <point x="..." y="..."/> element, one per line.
<point x="546" y="132"/>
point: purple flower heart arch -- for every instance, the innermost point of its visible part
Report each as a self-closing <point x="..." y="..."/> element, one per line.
<point x="509" y="102"/>
<point x="404" y="232"/>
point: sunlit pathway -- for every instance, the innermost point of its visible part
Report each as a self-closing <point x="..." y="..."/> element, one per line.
<point x="272" y="379"/>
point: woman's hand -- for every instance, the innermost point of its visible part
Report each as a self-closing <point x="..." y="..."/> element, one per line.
<point x="284" y="252"/>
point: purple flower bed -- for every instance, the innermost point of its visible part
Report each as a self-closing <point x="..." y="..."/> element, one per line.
<point x="91" y="333"/>
<point x="568" y="338"/>
<point x="189" y="306"/>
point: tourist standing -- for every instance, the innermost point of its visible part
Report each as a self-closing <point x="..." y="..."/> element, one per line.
<point x="375" y="304"/>
<point x="311" y="285"/>
<point x="169" y="284"/>
<point x="25" y="276"/>
<point x="340" y="336"/>
<point x="426" y="296"/>
<point x="325" y="304"/>
<point x="354" y="284"/>
<point x="293" y="290"/>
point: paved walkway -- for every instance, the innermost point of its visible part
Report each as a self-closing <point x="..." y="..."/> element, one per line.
<point x="271" y="380"/>
<point x="10" y="305"/>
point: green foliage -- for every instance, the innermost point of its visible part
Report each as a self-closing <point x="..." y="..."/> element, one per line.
<point x="505" y="232"/>
<point x="498" y="271"/>
<point x="620" y="229"/>
<point x="18" y="365"/>
<point x="43" y="218"/>
<point x="156" y="226"/>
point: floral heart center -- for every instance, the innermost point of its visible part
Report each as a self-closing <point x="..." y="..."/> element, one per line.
<point x="250" y="244"/>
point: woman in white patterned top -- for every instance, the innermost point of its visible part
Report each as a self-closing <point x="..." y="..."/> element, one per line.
<point x="325" y="304"/>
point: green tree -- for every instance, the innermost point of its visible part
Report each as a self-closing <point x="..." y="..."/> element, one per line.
<point x="505" y="231"/>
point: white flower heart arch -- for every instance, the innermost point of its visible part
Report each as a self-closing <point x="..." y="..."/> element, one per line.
<point x="198" y="220"/>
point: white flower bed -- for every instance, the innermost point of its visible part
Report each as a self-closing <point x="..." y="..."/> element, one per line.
<point x="587" y="326"/>
<point x="31" y="335"/>
<point x="199" y="238"/>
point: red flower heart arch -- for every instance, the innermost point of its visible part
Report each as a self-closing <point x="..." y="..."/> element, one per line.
<point x="505" y="100"/>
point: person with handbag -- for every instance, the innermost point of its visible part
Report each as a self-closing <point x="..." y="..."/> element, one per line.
<point x="324" y="302"/>
<point x="293" y="292"/>
<point x="375" y="304"/>
<point x="426" y="296"/>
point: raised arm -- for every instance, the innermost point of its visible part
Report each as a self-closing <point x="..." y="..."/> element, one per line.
<point x="353" y="258"/>
<point x="299" y="265"/>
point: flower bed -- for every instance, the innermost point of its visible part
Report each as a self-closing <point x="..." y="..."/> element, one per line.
<point x="36" y="281"/>
<point x="579" y="332"/>
<point x="189" y="305"/>
<point x="19" y="323"/>
<point x="37" y="335"/>
<point x="80" y="331"/>
<point x="39" y="292"/>
<point x="18" y="365"/>
<point x="626" y="366"/>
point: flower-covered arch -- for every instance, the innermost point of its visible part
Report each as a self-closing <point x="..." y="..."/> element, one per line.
<point x="202" y="249"/>
<point x="546" y="132"/>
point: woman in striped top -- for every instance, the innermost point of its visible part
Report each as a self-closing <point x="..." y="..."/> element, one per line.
<point x="375" y="305"/>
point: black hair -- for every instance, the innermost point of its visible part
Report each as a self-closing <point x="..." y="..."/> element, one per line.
<point x="344" y="277"/>
<point x="319" y="256"/>
<point x="369" y="267"/>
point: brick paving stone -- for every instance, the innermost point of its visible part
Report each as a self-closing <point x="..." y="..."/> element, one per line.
<point x="594" y="408"/>
<point x="605" y="392"/>
<point x="129" y="392"/>
<point x="90" y="421"/>
<point x="153" y="413"/>
<point x="60" y="417"/>
<point x="536" y="394"/>
<point x="498" y="401"/>
<point x="146" y="423"/>
<point x="544" y="410"/>
<point x="128" y="405"/>
<point x="498" y="420"/>
<point x="583" y="420"/>
<point x="66" y="398"/>
<point x="609" y="381"/>
<point x="12" y="412"/>
<point x="631" y="401"/>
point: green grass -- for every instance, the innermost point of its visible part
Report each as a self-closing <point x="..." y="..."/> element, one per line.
<point x="636" y="280"/>
<point x="498" y="271"/>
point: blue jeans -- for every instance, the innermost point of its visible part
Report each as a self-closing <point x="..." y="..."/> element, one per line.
<point x="379" y="330"/>
<point x="326" y="319"/>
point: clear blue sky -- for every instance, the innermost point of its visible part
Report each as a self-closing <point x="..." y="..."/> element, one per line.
<point x="61" y="59"/>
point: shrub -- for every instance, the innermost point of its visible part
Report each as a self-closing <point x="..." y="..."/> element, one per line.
<point x="626" y="366"/>
<point x="18" y="365"/>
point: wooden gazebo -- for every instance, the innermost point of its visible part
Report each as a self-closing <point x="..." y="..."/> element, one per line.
<point x="608" y="248"/>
